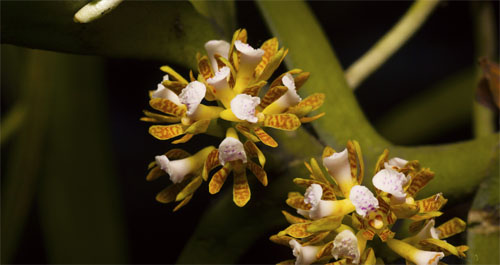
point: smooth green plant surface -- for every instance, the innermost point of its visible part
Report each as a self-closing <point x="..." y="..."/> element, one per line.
<point x="173" y="32"/>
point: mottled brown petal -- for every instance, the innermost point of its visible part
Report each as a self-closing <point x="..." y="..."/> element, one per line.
<point x="210" y="163"/>
<point x="317" y="173"/>
<point x="431" y="204"/>
<point x="352" y="158"/>
<point x="173" y="75"/>
<point x="283" y="121"/>
<point x="159" y="118"/>
<point x="386" y="234"/>
<point x="416" y="226"/>
<point x="241" y="190"/>
<point x="272" y="95"/>
<point x="183" y="203"/>
<point x="297" y="202"/>
<point x="219" y="178"/>
<point x="424" y="216"/>
<point x="300" y="79"/>
<point x="259" y="173"/>
<point x="315" y="101"/>
<point x="155" y="173"/>
<point x="312" y="118"/>
<point x="325" y="224"/>
<point x="204" y="67"/>
<point x="273" y="64"/>
<point x="405" y="210"/>
<point x="165" y="132"/>
<point x="270" y="48"/>
<point x="419" y="181"/>
<point x="189" y="189"/>
<point x="175" y="86"/>
<point x="169" y="193"/>
<point x="328" y="151"/>
<point x="264" y="137"/>
<point x="325" y="251"/>
<point x="282" y="240"/>
<point x="232" y="76"/>
<point x="328" y="193"/>
<point x="451" y="227"/>
<point x="198" y="127"/>
<point x="246" y="132"/>
<point x="383" y="158"/>
<point x="316" y="238"/>
<point x="183" y="139"/>
<point x="167" y="106"/>
<point x="296" y="230"/>
<point x="253" y="151"/>
<point x="432" y="244"/>
<point x="292" y="219"/>
<point x="254" y="89"/>
<point x="176" y="153"/>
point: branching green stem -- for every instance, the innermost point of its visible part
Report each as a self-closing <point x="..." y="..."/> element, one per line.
<point x="390" y="42"/>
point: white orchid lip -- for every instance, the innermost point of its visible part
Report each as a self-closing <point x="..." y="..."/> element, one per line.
<point x="313" y="195"/>
<point x="220" y="47"/>
<point x="289" y="99"/>
<point x="338" y="166"/>
<point x="219" y="81"/>
<point x="243" y="106"/>
<point x="395" y="163"/>
<point x="249" y="54"/>
<point x="192" y="95"/>
<point x="413" y="254"/>
<point x="322" y="208"/>
<point x="391" y="181"/>
<point x="305" y="254"/>
<point x="231" y="149"/>
<point x="428" y="231"/>
<point x="345" y="245"/>
<point x="177" y="169"/>
<point x="363" y="200"/>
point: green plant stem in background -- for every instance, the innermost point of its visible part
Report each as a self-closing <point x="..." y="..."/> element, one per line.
<point x="486" y="43"/>
<point x="12" y="121"/>
<point x="390" y="42"/>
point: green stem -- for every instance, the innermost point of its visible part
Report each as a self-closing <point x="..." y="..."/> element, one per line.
<point x="390" y="42"/>
<point x="13" y="121"/>
<point x="484" y="20"/>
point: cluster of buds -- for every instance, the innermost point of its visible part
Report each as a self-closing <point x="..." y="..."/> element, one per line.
<point x="339" y="217"/>
<point x="231" y="76"/>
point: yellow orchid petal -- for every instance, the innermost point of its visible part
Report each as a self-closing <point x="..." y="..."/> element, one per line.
<point x="325" y="250"/>
<point x="368" y="257"/>
<point x="228" y="115"/>
<point x="169" y="193"/>
<point x="419" y="181"/>
<point x="292" y="219"/>
<point x="264" y="137"/>
<point x="417" y="256"/>
<point x="219" y="178"/>
<point x="382" y="159"/>
<point x="318" y="175"/>
<point x="405" y="210"/>
<point x="426" y="215"/>
<point x="247" y="133"/>
<point x="183" y="139"/>
<point x="451" y="227"/>
<point x="204" y="67"/>
<point x="300" y="111"/>
<point x="300" y="79"/>
<point x="324" y="224"/>
<point x="284" y="121"/>
<point x="165" y="132"/>
<point x="254" y="90"/>
<point x="173" y="74"/>
<point x="189" y="189"/>
<point x="312" y="118"/>
<point x="328" y="193"/>
<point x="272" y="95"/>
<point x="258" y="172"/>
<point x="296" y="230"/>
<point x="198" y="127"/>
<point x="433" y="244"/>
<point x="270" y="47"/>
<point x="416" y="226"/>
<point x="159" y="118"/>
<point x="386" y="234"/>
<point x="296" y="200"/>
<point x="210" y="163"/>
<point x="175" y="86"/>
<point x="155" y="173"/>
<point x="328" y="151"/>
<point x="241" y="190"/>
<point x="315" y="101"/>
<point x="183" y="203"/>
<point x="316" y="238"/>
<point x="431" y="204"/>
<point x="225" y="62"/>
<point x="177" y="153"/>
<point x="282" y="240"/>
<point x="279" y="80"/>
<point x="168" y="107"/>
<point x="273" y="64"/>
<point x="253" y="151"/>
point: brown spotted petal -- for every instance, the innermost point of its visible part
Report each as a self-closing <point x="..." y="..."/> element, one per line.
<point x="169" y="193"/>
<point x="283" y="121"/>
<point x="176" y="153"/>
<point x="273" y="64"/>
<point x="272" y="95"/>
<point x="419" y="181"/>
<point x="258" y="172"/>
<point x="254" y="89"/>
<point x="253" y="151"/>
<point x="246" y="131"/>
<point x="425" y="216"/>
<point x="210" y="163"/>
<point x="316" y="171"/>
<point x="241" y="190"/>
<point x="282" y="240"/>
<point x="189" y="189"/>
<point x="219" y="178"/>
<point x="315" y="101"/>
<point x="297" y="201"/>
<point x="158" y="118"/>
<point x="270" y="48"/>
<point x="264" y="137"/>
<point x="328" y="193"/>
<point x="325" y="251"/>
<point x="433" y="244"/>
<point x="316" y="238"/>
<point x="431" y="204"/>
<point x="204" y="67"/>
<point x="292" y="219"/>
<point x="166" y="106"/>
<point x="165" y="132"/>
<point x="296" y="230"/>
<point x="183" y="203"/>
<point x="451" y="227"/>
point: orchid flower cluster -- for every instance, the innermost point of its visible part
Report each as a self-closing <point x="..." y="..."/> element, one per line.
<point x="339" y="217"/>
<point x="231" y="76"/>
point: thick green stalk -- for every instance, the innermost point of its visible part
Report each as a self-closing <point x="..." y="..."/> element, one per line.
<point x="390" y="42"/>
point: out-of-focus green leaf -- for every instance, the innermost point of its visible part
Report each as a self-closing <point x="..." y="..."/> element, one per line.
<point x="12" y="121"/>
<point x="24" y="156"/>
<point x="80" y="211"/>
<point x="444" y="106"/>
<point x="222" y="13"/>
<point x="172" y="31"/>
<point x="483" y="235"/>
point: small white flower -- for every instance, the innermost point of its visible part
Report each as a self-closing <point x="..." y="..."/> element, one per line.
<point x="248" y="54"/>
<point x="391" y="181"/>
<point x="313" y="195"/>
<point x="289" y="99"/>
<point x="339" y="168"/>
<point x="219" y="81"/>
<point x="363" y="200"/>
<point x="345" y="245"/>
<point x="176" y="169"/>
<point x="220" y="47"/>
<point x="243" y="107"/>
<point x="192" y="95"/>
<point x="305" y="255"/>
<point x="322" y="208"/>
<point x="231" y="149"/>
<point x="395" y="163"/>
<point x="428" y="231"/>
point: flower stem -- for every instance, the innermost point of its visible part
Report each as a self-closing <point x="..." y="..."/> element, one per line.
<point x="390" y="42"/>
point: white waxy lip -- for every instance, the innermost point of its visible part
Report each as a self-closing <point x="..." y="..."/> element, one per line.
<point x="395" y="163"/>
<point x="390" y="181"/>
<point x="248" y="54"/>
<point x="220" y="47"/>
<point x="305" y="254"/>
<point x="243" y="106"/>
<point x="163" y="92"/>
<point x="231" y="149"/>
<point x="290" y="98"/>
<point x="219" y="81"/>
<point x="313" y="195"/>
<point x="345" y="245"/>
<point x="177" y="169"/>
<point x="363" y="200"/>
<point x="338" y="166"/>
<point x="192" y="95"/>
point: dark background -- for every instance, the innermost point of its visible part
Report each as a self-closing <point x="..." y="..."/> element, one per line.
<point x="441" y="47"/>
